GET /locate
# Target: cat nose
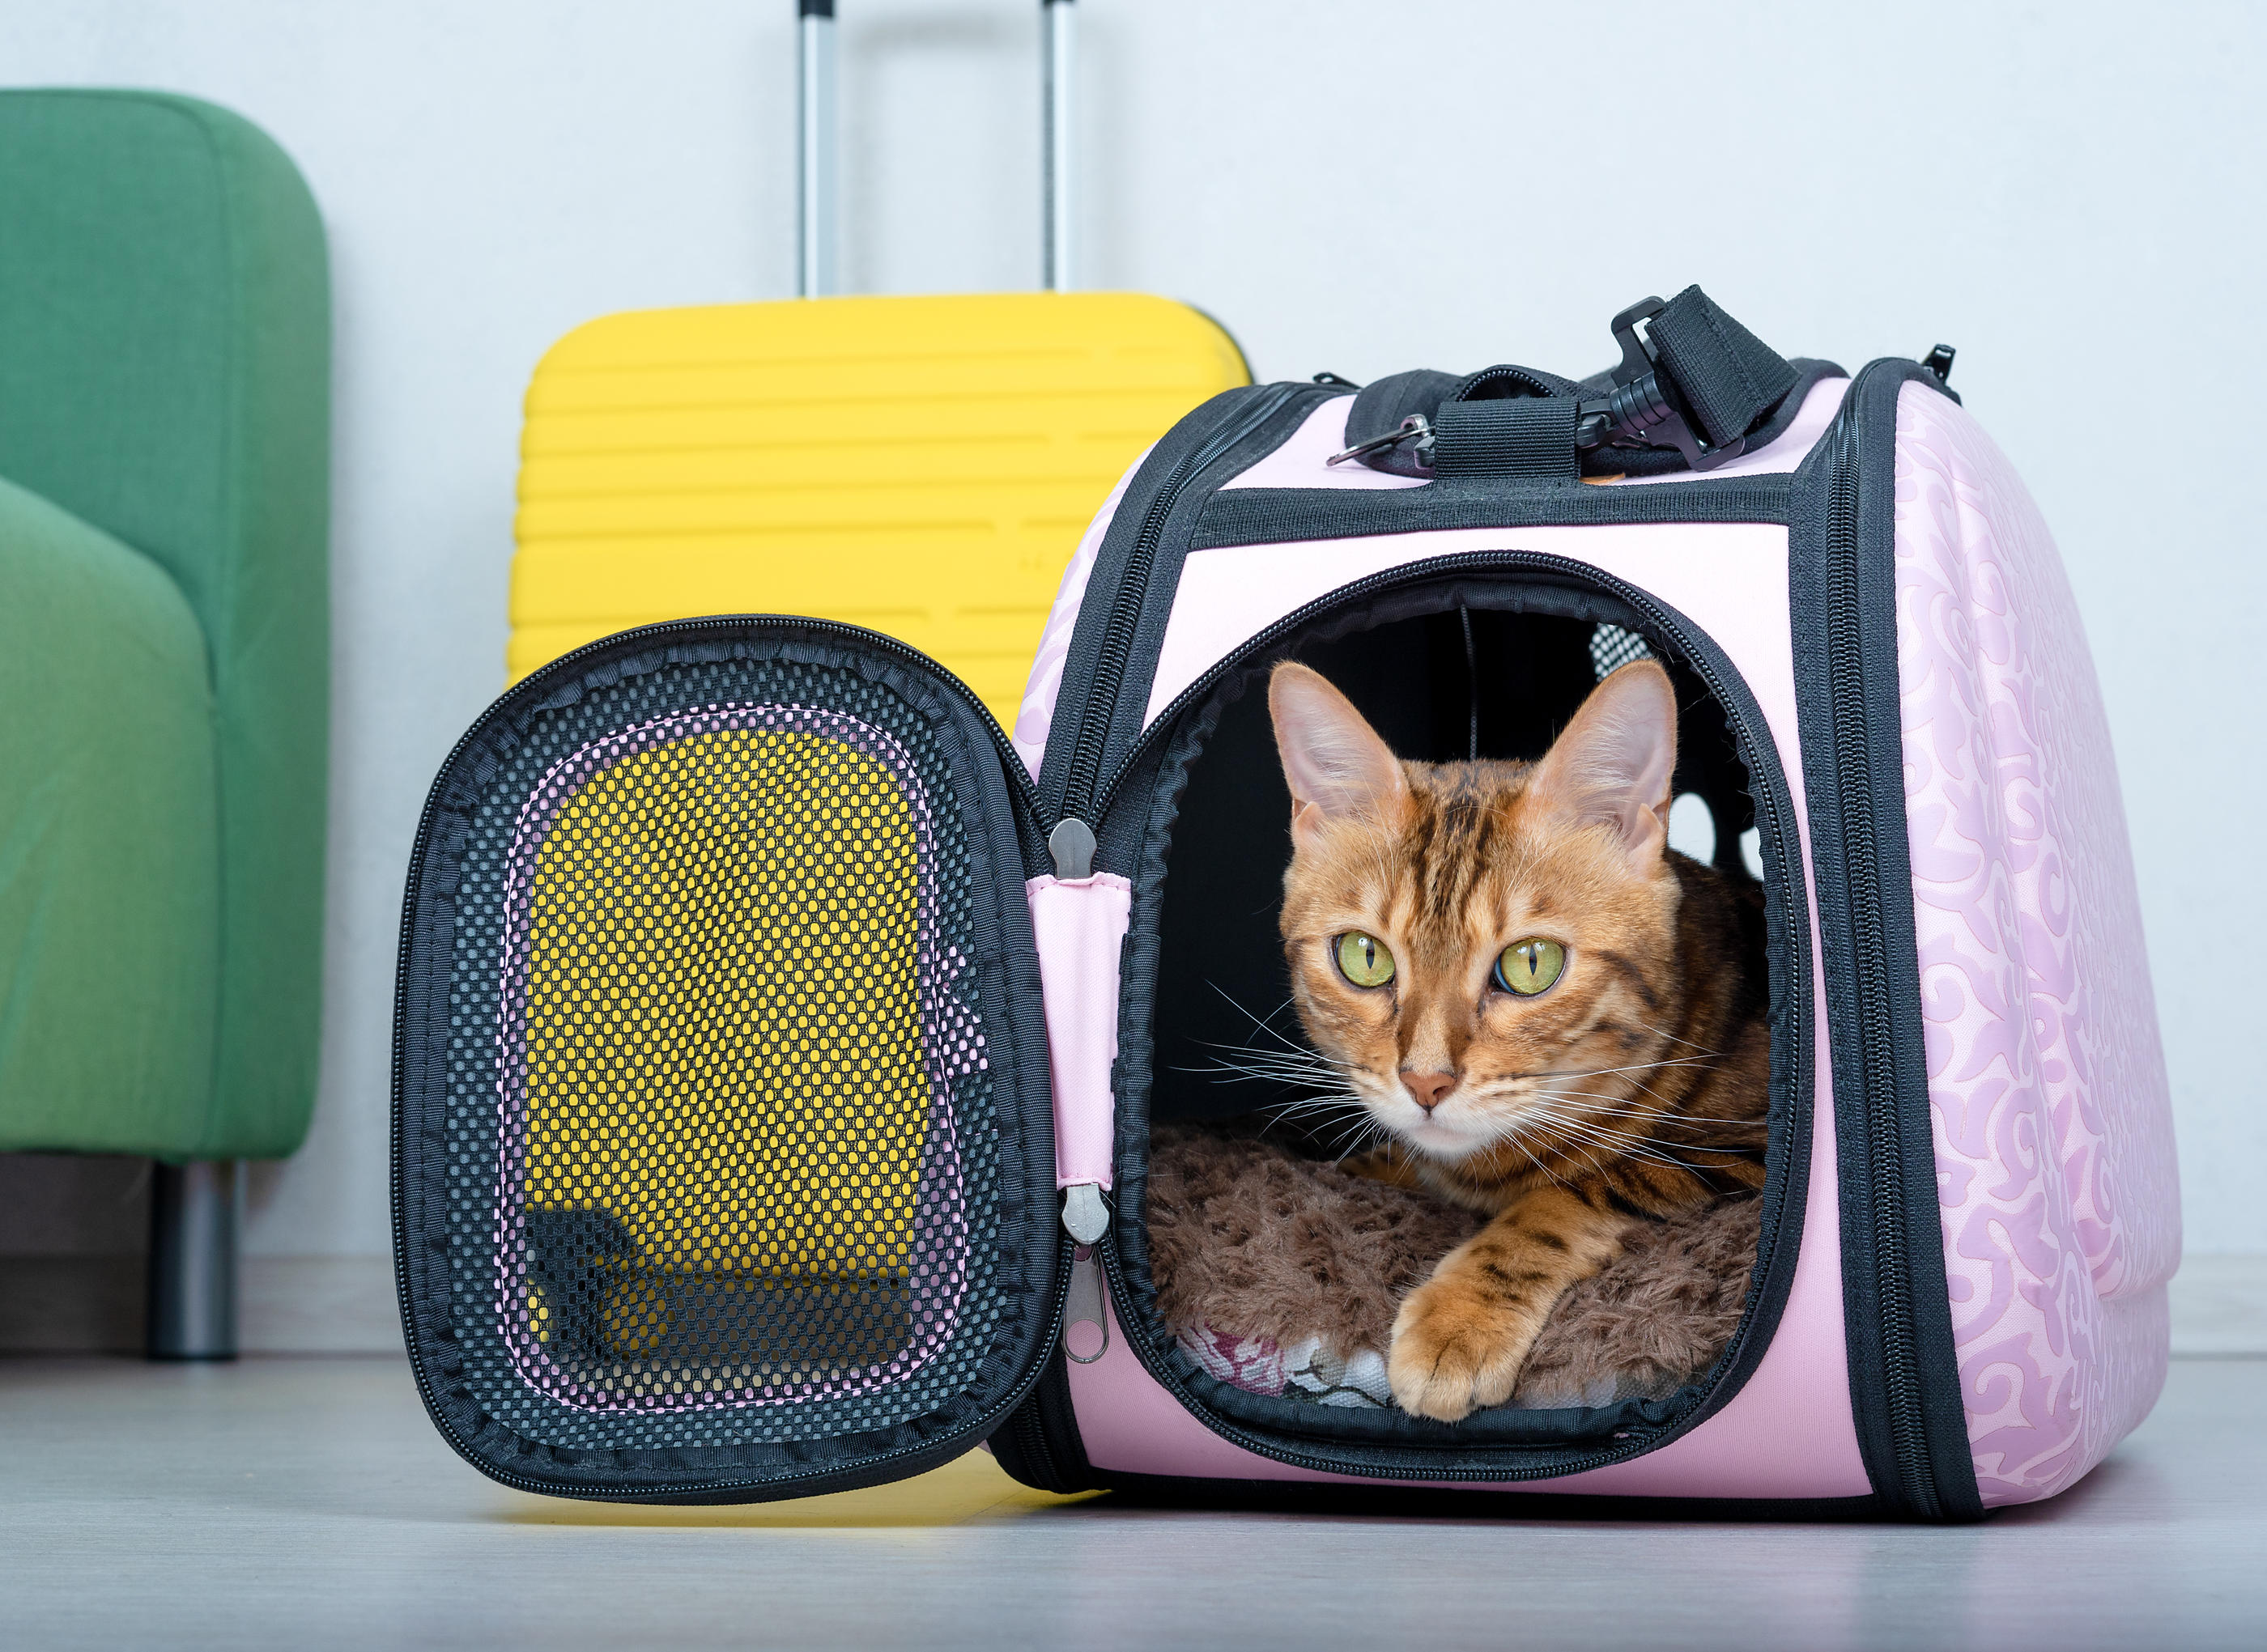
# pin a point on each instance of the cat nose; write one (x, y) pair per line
(1428, 1089)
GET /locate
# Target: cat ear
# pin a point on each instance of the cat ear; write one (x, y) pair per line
(1612, 764)
(1335, 763)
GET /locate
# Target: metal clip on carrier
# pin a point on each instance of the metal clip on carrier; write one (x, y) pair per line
(1416, 427)
(1644, 410)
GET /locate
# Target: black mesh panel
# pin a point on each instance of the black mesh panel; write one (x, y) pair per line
(723, 1157)
(1611, 648)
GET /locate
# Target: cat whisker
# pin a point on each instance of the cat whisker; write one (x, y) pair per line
(1712, 1054)
(1330, 1115)
(1658, 1116)
(1548, 1174)
(1601, 1072)
(1648, 1148)
(1263, 1024)
(1364, 1130)
(1581, 1139)
(1564, 1142)
(1287, 1052)
(1288, 1066)
(1563, 1104)
(1233, 1072)
(1604, 1135)
(1603, 1102)
(1319, 1112)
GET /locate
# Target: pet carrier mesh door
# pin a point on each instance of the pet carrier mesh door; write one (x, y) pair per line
(725, 1167)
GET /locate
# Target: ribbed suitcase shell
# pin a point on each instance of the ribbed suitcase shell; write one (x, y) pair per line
(920, 466)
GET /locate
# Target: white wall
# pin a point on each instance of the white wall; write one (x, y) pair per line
(2068, 194)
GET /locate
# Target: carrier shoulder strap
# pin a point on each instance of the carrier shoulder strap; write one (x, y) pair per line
(1728, 377)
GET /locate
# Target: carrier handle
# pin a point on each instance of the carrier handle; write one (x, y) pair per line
(1695, 380)
(816, 142)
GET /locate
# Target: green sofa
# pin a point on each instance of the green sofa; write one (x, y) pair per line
(164, 452)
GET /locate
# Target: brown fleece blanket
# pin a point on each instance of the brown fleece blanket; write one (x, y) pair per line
(1248, 1240)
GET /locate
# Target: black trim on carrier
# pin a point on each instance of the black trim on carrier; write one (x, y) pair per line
(1097, 701)
(1140, 804)
(1023, 1267)
(1039, 1443)
(1905, 1384)
(1382, 1501)
(1268, 516)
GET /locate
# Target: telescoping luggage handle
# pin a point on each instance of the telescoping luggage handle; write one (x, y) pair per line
(815, 131)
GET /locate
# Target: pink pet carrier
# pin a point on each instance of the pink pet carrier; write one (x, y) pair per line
(779, 1041)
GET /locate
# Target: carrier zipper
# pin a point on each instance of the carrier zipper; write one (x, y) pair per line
(1019, 780)
(1870, 970)
(1086, 1219)
(1031, 1442)
(1030, 1432)
(1770, 802)
(1026, 1422)
(1127, 603)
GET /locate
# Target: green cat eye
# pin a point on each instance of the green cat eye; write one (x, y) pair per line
(1363, 960)
(1527, 967)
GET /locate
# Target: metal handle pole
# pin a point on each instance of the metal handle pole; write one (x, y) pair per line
(815, 149)
(1058, 35)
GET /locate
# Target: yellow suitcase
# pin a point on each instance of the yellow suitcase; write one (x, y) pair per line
(922, 466)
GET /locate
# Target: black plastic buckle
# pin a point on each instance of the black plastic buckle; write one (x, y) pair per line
(1643, 409)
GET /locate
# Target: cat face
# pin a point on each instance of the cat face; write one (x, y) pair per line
(1485, 950)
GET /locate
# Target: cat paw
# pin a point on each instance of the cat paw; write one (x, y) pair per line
(1454, 1351)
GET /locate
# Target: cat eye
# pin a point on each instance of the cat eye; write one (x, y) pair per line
(1529, 967)
(1363, 960)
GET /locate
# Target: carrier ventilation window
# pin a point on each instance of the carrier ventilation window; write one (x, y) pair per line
(729, 1157)
(1611, 648)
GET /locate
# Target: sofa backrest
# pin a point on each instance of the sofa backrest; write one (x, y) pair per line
(165, 375)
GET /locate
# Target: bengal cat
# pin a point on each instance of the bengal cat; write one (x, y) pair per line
(1548, 1015)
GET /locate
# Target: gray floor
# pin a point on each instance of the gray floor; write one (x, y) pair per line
(308, 1504)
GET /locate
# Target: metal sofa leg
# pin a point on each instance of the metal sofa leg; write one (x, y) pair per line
(193, 1221)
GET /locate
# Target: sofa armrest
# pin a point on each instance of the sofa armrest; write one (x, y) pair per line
(109, 862)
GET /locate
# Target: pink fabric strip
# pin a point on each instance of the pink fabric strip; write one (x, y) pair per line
(1232, 594)
(1080, 926)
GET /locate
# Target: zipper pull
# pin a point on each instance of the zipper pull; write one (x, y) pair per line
(1072, 844)
(1086, 1326)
